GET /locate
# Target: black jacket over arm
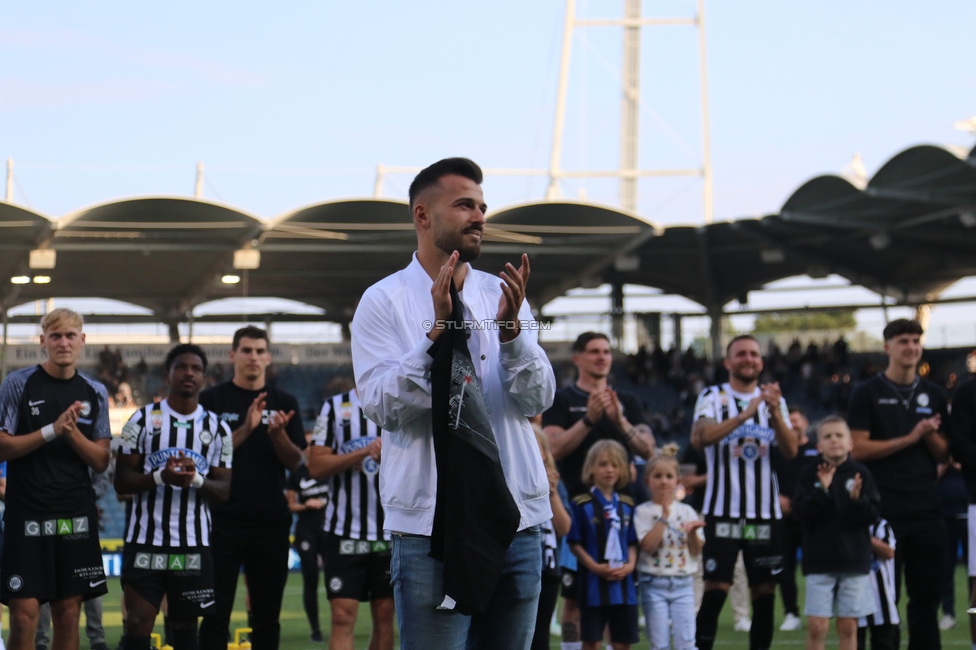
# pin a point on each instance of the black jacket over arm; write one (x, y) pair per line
(475, 516)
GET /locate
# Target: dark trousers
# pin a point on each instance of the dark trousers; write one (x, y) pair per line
(792, 540)
(883, 637)
(920, 555)
(263, 552)
(547, 605)
(957, 532)
(310, 546)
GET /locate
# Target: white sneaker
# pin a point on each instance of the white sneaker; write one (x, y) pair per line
(743, 625)
(791, 623)
(947, 622)
(555, 629)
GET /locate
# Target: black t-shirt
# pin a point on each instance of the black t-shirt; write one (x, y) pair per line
(305, 487)
(568, 407)
(258, 481)
(787, 470)
(906, 478)
(53, 479)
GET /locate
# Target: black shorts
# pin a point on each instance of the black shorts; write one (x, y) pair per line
(183, 574)
(622, 620)
(52, 559)
(357, 570)
(569, 587)
(761, 543)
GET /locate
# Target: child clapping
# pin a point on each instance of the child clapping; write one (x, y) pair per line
(671, 539)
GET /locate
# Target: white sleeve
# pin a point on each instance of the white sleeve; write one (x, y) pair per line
(393, 382)
(525, 370)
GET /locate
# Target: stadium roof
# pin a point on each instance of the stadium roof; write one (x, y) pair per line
(907, 233)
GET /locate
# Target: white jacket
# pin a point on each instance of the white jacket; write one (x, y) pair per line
(392, 368)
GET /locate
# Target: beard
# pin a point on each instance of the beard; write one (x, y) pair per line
(450, 241)
(746, 375)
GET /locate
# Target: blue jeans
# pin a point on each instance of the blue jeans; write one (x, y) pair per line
(669, 605)
(509, 620)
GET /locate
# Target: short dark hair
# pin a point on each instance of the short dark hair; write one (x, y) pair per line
(185, 348)
(796, 408)
(902, 326)
(431, 176)
(740, 337)
(249, 332)
(584, 339)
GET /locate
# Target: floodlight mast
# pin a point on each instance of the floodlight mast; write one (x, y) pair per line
(629, 171)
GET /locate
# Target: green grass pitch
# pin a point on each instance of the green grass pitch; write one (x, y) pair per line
(295, 631)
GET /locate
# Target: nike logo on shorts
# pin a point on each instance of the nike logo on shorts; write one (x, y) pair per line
(40, 401)
(207, 604)
(95, 584)
(776, 571)
(307, 483)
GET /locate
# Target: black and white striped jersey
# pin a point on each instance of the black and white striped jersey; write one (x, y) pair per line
(741, 481)
(354, 510)
(882, 582)
(173, 516)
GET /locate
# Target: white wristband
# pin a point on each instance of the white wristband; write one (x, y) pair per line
(197, 481)
(158, 477)
(47, 432)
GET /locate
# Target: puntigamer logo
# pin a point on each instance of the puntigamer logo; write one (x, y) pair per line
(55, 527)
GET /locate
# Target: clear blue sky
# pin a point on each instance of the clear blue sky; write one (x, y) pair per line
(104, 100)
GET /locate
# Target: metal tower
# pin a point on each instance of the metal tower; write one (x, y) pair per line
(629, 171)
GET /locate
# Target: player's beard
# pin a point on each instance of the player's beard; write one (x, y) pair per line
(450, 241)
(745, 379)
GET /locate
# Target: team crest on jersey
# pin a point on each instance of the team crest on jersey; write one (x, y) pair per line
(922, 399)
(849, 485)
(345, 411)
(206, 437)
(750, 451)
(370, 466)
(156, 422)
(86, 408)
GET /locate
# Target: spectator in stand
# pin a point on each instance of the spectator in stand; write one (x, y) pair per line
(786, 473)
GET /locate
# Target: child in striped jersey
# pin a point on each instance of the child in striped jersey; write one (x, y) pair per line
(671, 539)
(602, 539)
(884, 622)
